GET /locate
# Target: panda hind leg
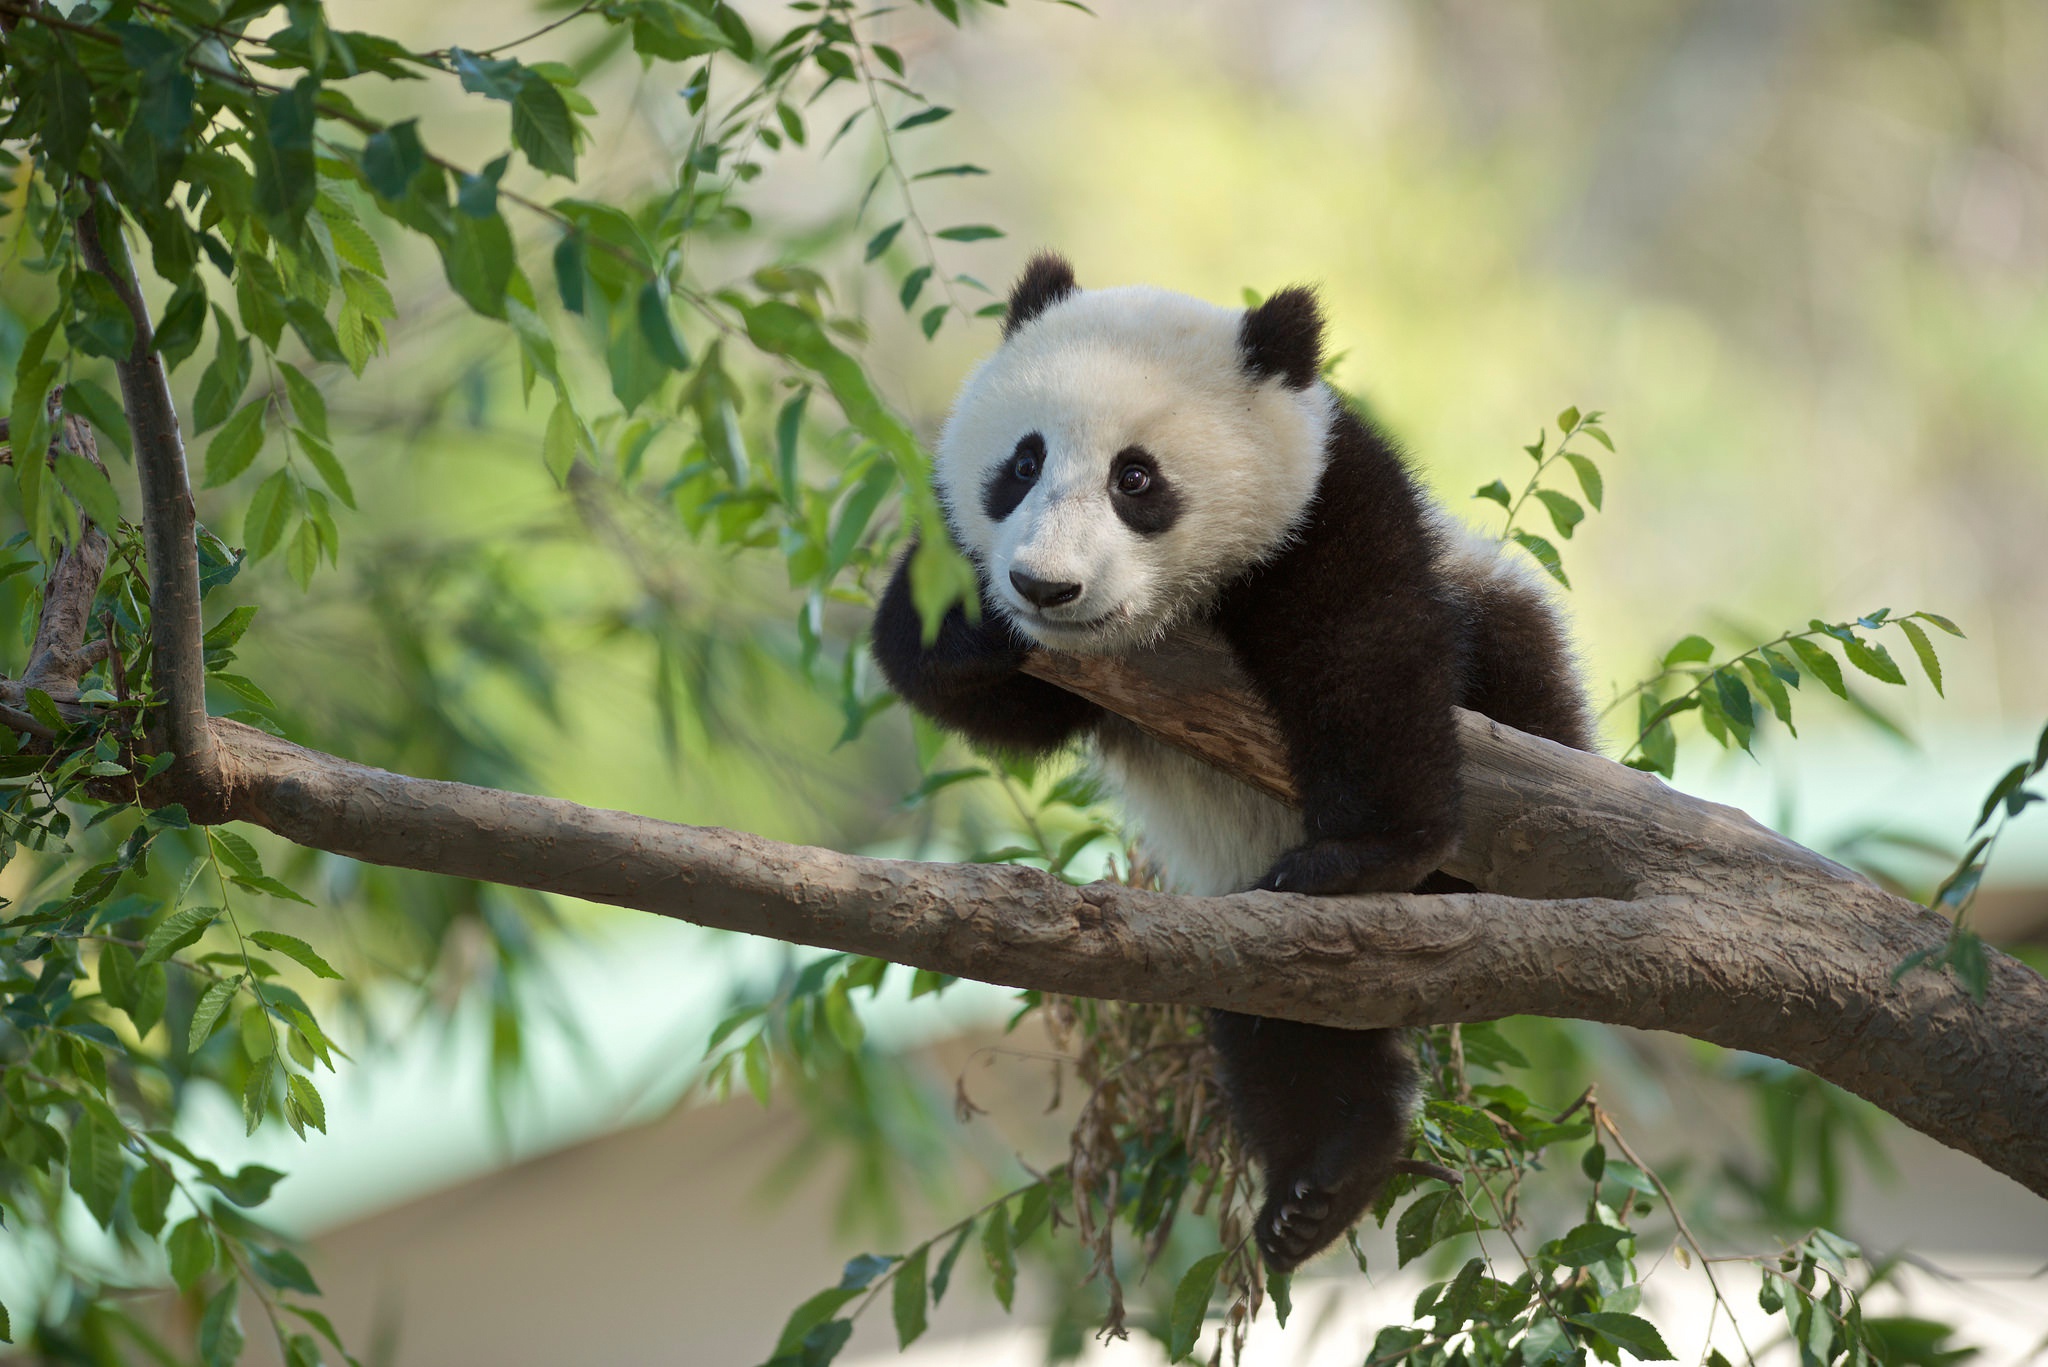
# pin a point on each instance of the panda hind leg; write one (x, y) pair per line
(1325, 1112)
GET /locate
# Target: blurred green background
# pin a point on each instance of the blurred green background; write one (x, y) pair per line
(1797, 253)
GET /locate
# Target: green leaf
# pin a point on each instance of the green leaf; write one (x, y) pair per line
(808, 1316)
(269, 513)
(1820, 665)
(660, 330)
(234, 447)
(932, 114)
(544, 129)
(293, 947)
(570, 271)
(220, 1327)
(250, 1186)
(1734, 698)
(89, 486)
(67, 112)
(563, 441)
(913, 285)
(90, 401)
(1000, 1255)
(879, 243)
(1874, 660)
(1588, 473)
(149, 1198)
(256, 1097)
(933, 318)
(191, 1251)
(1565, 512)
(178, 929)
(1588, 1244)
(322, 458)
(281, 146)
(907, 1297)
(302, 556)
(1545, 553)
(976, 232)
(1923, 648)
(1938, 620)
(1690, 650)
(304, 1098)
(1568, 419)
(963, 169)
(1191, 1305)
(96, 1167)
(101, 324)
(858, 509)
(944, 1275)
(1280, 1291)
(1636, 1336)
(1498, 492)
(1429, 1219)
(207, 1013)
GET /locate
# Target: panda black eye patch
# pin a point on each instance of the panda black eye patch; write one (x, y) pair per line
(1142, 497)
(1009, 482)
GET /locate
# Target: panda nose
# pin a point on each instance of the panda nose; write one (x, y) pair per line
(1044, 593)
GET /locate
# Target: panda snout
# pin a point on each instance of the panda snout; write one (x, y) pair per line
(1043, 593)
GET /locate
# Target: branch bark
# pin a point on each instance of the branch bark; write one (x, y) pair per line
(169, 524)
(1659, 911)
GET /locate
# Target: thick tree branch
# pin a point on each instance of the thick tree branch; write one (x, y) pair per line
(1673, 914)
(169, 524)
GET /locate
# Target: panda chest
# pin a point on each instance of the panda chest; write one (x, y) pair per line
(1208, 833)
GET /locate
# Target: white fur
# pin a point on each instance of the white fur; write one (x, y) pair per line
(1100, 371)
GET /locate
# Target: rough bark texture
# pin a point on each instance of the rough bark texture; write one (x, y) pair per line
(1670, 914)
(169, 523)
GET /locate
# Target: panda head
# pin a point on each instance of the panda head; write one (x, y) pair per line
(1127, 452)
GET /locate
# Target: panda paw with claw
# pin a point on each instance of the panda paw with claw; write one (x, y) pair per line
(1325, 868)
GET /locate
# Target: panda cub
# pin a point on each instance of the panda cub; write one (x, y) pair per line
(1130, 460)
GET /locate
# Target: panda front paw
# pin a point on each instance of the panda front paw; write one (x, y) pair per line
(1328, 868)
(975, 654)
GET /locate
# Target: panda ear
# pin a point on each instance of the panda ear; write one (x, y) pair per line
(1284, 337)
(1047, 279)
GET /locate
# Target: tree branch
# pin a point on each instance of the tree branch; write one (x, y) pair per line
(169, 524)
(1641, 906)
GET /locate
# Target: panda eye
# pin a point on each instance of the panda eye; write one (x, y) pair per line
(1024, 466)
(1133, 479)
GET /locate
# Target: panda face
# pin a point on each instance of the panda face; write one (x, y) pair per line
(1116, 462)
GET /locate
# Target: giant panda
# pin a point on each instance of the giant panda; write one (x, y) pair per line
(1131, 459)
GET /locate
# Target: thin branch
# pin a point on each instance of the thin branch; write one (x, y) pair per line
(169, 524)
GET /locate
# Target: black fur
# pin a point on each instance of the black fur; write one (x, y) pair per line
(1284, 337)
(1361, 645)
(967, 680)
(1153, 512)
(1047, 279)
(1007, 485)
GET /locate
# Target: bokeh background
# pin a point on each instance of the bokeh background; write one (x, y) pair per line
(1797, 254)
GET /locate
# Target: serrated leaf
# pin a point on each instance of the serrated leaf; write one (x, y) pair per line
(235, 445)
(90, 488)
(207, 1013)
(1631, 1333)
(1874, 660)
(304, 1097)
(220, 1327)
(1545, 553)
(1588, 1244)
(1588, 473)
(178, 929)
(563, 442)
(293, 947)
(269, 513)
(96, 1167)
(1820, 665)
(1565, 511)
(256, 1097)
(1923, 648)
(1938, 620)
